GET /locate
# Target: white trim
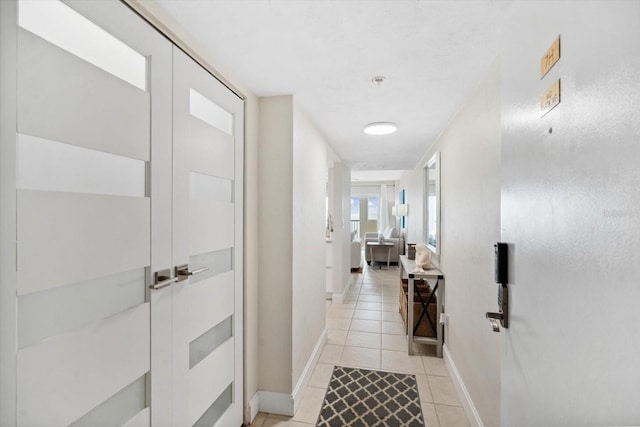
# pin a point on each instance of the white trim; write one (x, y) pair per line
(338, 298)
(308, 370)
(254, 407)
(467, 404)
(348, 285)
(8, 243)
(285, 404)
(276, 403)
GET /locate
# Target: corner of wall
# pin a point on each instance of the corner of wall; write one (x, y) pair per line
(275, 222)
(287, 403)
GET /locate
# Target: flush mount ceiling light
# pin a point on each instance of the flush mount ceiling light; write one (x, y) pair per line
(380, 128)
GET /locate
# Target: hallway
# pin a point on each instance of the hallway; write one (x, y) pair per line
(367, 332)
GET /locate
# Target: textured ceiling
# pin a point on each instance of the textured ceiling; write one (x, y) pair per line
(325, 52)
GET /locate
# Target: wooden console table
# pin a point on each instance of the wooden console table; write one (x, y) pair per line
(436, 279)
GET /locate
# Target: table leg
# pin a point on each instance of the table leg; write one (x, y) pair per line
(371, 256)
(410, 284)
(439, 307)
(388, 256)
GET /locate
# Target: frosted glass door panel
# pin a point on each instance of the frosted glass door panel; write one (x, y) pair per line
(217, 409)
(210, 301)
(53, 166)
(65, 99)
(207, 187)
(90, 235)
(67, 308)
(121, 408)
(211, 226)
(59, 24)
(208, 111)
(211, 151)
(60, 378)
(142, 419)
(208, 379)
(208, 342)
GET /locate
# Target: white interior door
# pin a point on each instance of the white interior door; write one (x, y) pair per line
(93, 215)
(208, 194)
(106, 180)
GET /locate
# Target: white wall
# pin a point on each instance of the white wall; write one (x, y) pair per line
(571, 214)
(341, 208)
(470, 214)
(275, 227)
(470, 225)
(292, 191)
(309, 224)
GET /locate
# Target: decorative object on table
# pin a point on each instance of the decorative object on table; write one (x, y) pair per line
(411, 251)
(381, 238)
(361, 397)
(423, 258)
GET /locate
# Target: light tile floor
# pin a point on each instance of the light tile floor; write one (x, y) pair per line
(367, 332)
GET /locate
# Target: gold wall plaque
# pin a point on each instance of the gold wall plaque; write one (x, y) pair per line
(549, 59)
(551, 98)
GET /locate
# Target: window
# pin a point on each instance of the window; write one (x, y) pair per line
(355, 209)
(372, 208)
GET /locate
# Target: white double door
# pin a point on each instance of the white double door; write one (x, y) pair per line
(125, 305)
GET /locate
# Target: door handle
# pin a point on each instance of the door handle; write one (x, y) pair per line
(163, 279)
(501, 318)
(493, 319)
(183, 272)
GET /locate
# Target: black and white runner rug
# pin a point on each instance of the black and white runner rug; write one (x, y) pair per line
(360, 397)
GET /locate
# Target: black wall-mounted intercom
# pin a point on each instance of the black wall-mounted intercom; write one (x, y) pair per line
(502, 271)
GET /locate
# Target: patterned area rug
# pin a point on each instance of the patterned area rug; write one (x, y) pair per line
(360, 397)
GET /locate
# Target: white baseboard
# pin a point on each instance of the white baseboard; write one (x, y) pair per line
(254, 407)
(467, 404)
(308, 370)
(276, 403)
(347, 286)
(338, 298)
(287, 404)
